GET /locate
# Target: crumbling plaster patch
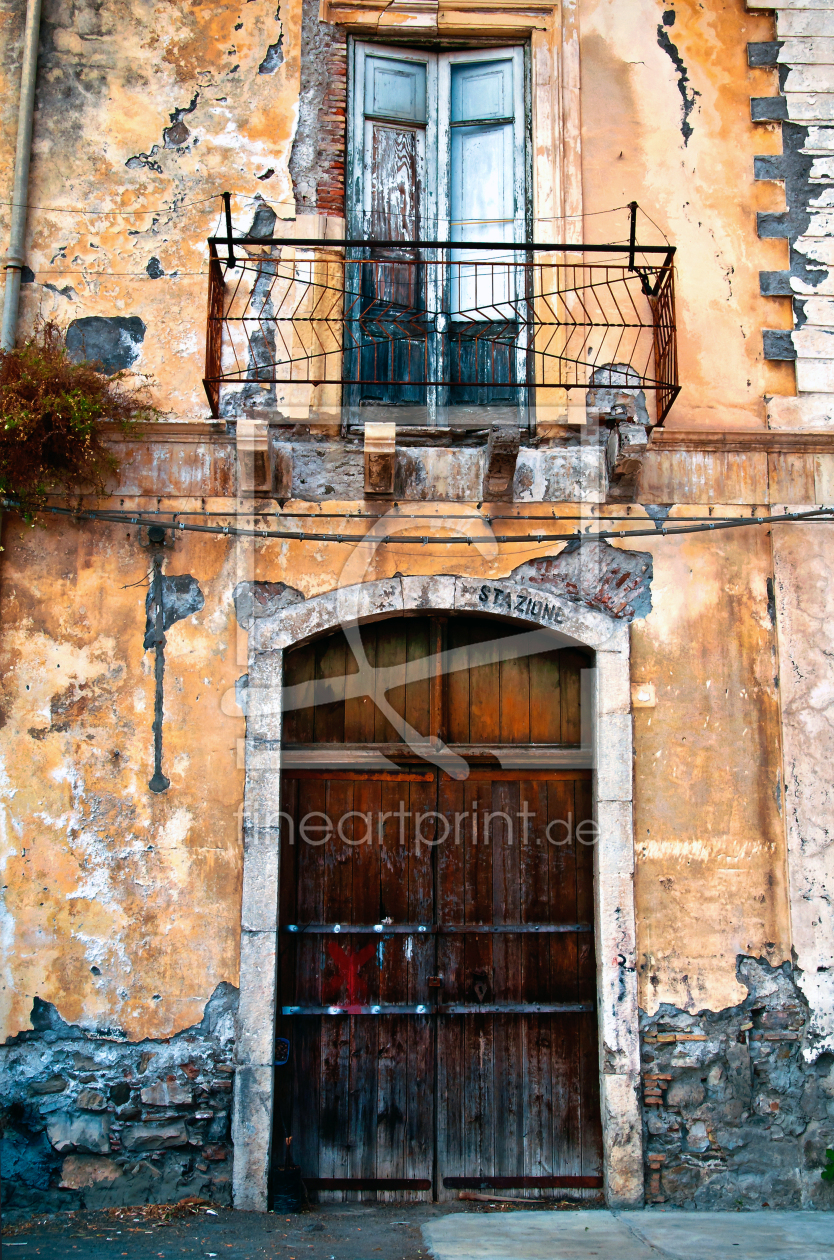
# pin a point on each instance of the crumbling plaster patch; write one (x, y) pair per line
(90, 1120)
(324, 470)
(181, 597)
(113, 342)
(733, 1111)
(804, 601)
(107, 886)
(320, 131)
(688, 93)
(117, 81)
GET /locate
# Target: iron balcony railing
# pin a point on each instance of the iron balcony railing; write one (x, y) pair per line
(432, 326)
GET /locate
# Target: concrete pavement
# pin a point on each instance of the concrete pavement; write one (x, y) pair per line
(648, 1235)
(447, 1231)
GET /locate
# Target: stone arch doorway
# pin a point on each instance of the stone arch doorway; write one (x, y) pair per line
(436, 978)
(609, 746)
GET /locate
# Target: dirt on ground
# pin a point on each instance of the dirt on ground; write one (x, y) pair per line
(193, 1228)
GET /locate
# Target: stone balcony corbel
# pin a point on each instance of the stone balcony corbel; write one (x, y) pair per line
(264, 463)
(501, 459)
(380, 458)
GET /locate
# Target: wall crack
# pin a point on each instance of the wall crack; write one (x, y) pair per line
(687, 91)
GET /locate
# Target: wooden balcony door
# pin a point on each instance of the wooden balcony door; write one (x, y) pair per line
(437, 153)
(436, 975)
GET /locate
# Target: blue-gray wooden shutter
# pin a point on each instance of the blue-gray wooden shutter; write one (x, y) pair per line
(482, 97)
(390, 123)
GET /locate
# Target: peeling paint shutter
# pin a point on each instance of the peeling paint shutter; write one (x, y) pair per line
(391, 95)
(395, 121)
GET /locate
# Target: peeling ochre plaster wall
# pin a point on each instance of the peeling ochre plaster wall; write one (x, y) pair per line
(710, 863)
(804, 598)
(113, 78)
(100, 872)
(697, 187)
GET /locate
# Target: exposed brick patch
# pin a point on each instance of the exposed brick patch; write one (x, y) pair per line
(317, 162)
(617, 582)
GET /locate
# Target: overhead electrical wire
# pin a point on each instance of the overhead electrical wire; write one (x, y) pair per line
(176, 526)
(175, 209)
(393, 513)
(88, 213)
(290, 205)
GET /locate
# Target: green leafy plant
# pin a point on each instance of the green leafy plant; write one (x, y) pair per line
(827, 1173)
(53, 413)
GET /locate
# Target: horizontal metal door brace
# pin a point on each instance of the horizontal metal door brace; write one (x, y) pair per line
(448, 1008)
(434, 929)
(367, 1183)
(523, 1183)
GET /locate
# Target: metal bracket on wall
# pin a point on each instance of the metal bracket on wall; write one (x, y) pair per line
(158, 782)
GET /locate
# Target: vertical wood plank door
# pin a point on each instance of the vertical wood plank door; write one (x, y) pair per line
(436, 969)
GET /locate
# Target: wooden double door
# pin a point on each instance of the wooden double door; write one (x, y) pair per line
(436, 974)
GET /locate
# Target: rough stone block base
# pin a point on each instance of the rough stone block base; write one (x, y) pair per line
(735, 1115)
(92, 1121)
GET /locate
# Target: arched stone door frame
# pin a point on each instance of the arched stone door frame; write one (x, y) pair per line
(619, 1056)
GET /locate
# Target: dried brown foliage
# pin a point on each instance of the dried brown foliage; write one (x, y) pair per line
(158, 1214)
(52, 417)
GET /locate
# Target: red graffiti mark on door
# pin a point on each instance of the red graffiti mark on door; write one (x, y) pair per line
(347, 970)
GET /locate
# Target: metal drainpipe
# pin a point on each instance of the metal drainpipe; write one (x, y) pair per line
(14, 260)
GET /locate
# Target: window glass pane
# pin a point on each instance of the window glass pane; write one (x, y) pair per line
(395, 89)
(482, 210)
(482, 90)
(482, 183)
(482, 199)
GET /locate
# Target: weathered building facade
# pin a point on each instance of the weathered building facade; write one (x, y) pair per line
(476, 520)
